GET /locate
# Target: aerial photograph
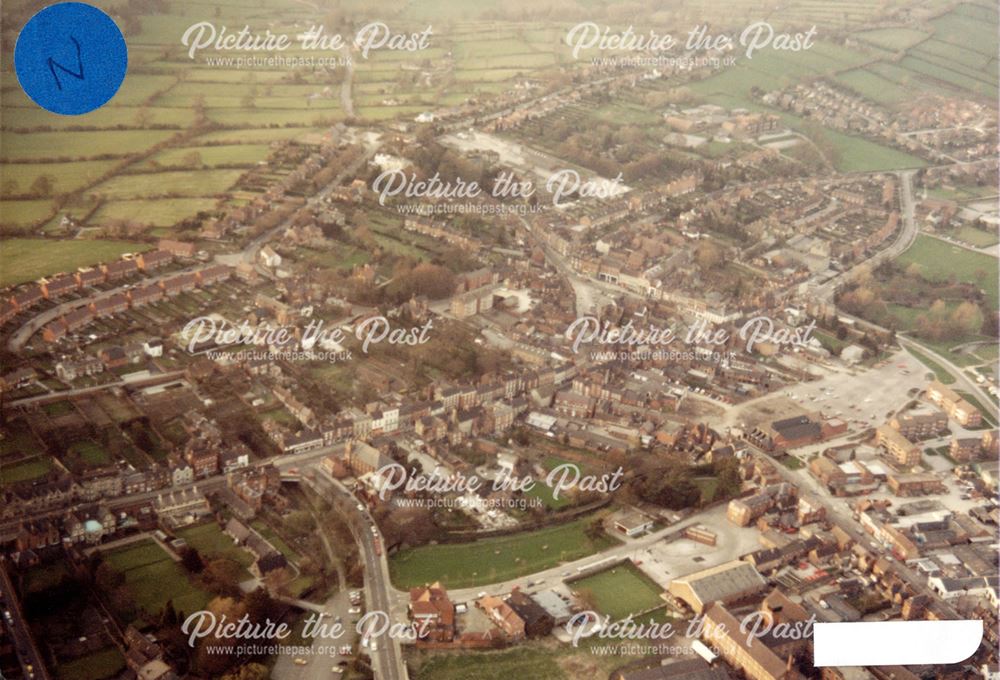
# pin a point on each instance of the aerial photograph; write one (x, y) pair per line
(530, 340)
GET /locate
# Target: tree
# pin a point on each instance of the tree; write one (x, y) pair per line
(595, 529)
(42, 186)
(191, 560)
(708, 255)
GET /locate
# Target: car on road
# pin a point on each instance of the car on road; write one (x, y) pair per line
(354, 610)
(299, 661)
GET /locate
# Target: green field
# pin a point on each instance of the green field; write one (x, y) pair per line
(25, 259)
(169, 184)
(209, 540)
(107, 663)
(532, 663)
(25, 470)
(619, 591)
(74, 144)
(989, 414)
(90, 453)
(976, 237)
(940, 372)
(154, 578)
(20, 178)
(162, 212)
(461, 565)
(892, 38)
(938, 260)
(211, 156)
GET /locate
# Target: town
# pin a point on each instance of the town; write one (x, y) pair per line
(461, 359)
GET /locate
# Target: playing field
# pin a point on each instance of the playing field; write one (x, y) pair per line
(26, 259)
(461, 565)
(617, 592)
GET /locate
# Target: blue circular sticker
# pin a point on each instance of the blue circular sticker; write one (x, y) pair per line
(70, 58)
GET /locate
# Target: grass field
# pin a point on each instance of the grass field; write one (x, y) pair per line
(938, 260)
(461, 565)
(25, 259)
(976, 237)
(32, 468)
(209, 540)
(163, 212)
(619, 591)
(107, 663)
(154, 578)
(19, 178)
(516, 663)
(90, 453)
(940, 372)
(989, 413)
(170, 184)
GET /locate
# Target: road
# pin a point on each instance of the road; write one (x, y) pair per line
(387, 659)
(904, 239)
(840, 517)
(19, 338)
(13, 618)
(963, 380)
(152, 379)
(9, 528)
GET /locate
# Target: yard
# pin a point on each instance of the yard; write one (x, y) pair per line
(460, 565)
(617, 592)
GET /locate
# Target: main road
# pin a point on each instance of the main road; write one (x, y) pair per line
(385, 651)
(13, 618)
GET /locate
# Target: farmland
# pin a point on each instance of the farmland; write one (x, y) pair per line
(29, 259)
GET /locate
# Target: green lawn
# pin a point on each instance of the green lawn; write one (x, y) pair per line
(90, 453)
(976, 237)
(32, 468)
(461, 565)
(543, 491)
(707, 486)
(940, 372)
(107, 663)
(27, 259)
(154, 578)
(989, 414)
(939, 260)
(534, 663)
(209, 540)
(619, 591)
